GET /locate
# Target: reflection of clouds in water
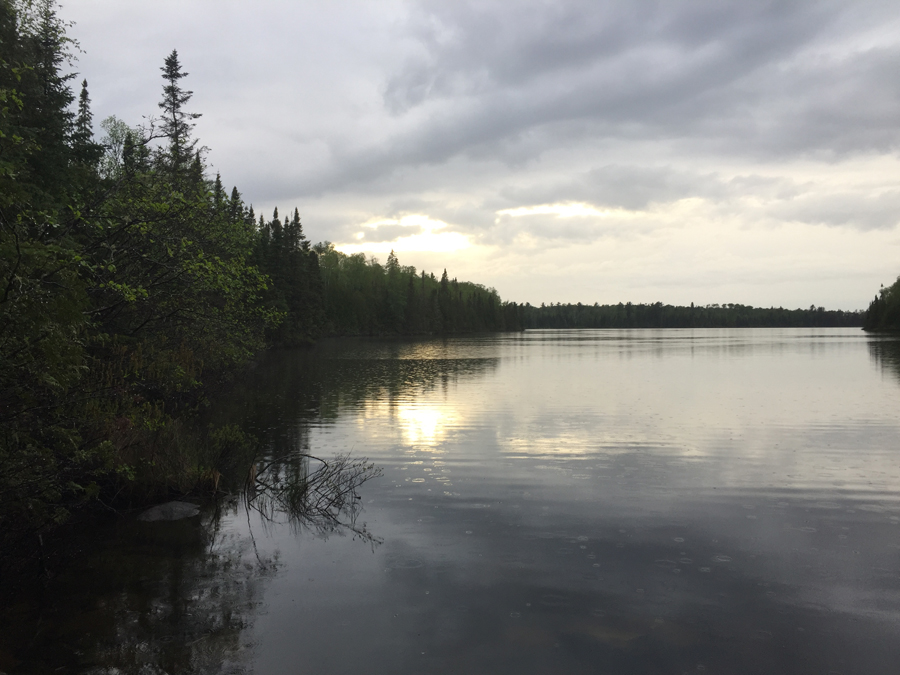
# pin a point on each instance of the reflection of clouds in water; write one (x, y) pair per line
(748, 407)
(818, 458)
(464, 354)
(561, 443)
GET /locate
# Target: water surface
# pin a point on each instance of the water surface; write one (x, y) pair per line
(629, 501)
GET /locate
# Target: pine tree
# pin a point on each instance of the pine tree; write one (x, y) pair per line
(86, 151)
(195, 179)
(276, 251)
(294, 233)
(177, 123)
(444, 303)
(45, 120)
(218, 195)
(235, 206)
(392, 264)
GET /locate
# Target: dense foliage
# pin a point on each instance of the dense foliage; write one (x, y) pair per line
(131, 282)
(321, 291)
(363, 297)
(884, 311)
(122, 281)
(658, 315)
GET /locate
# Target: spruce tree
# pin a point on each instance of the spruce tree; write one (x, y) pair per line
(177, 123)
(86, 151)
(45, 121)
(218, 195)
(235, 206)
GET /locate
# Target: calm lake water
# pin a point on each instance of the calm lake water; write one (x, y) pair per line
(629, 501)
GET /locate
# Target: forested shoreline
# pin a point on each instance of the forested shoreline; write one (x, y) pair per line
(884, 311)
(132, 284)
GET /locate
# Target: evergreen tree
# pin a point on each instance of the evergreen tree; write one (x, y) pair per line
(177, 123)
(218, 196)
(36, 104)
(235, 206)
(884, 311)
(86, 151)
(43, 305)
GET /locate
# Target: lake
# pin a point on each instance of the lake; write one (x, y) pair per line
(592, 501)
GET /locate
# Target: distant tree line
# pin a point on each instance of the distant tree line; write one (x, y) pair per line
(658, 315)
(883, 313)
(364, 297)
(319, 291)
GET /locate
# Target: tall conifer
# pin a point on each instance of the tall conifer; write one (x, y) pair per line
(177, 123)
(86, 151)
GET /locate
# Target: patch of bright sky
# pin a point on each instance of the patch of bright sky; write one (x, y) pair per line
(428, 238)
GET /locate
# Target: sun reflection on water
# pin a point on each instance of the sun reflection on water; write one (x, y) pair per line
(423, 425)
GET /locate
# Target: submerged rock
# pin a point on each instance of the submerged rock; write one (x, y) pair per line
(170, 511)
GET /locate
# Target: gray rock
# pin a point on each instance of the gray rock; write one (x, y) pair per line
(170, 511)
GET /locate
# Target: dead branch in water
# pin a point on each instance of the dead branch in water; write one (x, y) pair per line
(312, 492)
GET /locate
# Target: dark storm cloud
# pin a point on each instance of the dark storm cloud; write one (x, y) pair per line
(508, 83)
(501, 83)
(477, 48)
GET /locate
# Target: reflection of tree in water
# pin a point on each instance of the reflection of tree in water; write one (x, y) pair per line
(188, 617)
(162, 597)
(178, 597)
(289, 387)
(198, 584)
(885, 352)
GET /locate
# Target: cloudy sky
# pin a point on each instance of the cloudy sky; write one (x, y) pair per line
(567, 150)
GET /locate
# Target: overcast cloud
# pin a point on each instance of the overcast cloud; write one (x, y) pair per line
(559, 151)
